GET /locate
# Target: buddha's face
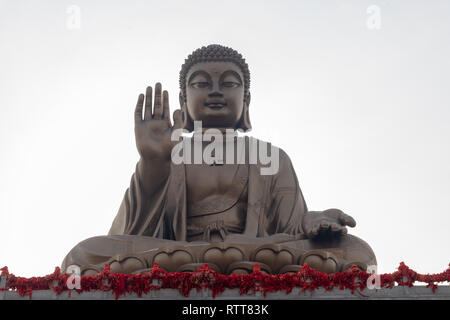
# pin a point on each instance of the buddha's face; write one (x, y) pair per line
(215, 94)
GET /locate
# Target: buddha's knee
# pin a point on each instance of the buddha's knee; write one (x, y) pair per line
(333, 254)
(339, 254)
(93, 253)
(85, 253)
(357, 252)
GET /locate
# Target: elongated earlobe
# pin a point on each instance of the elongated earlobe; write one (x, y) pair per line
(244, 123)
(188, 124)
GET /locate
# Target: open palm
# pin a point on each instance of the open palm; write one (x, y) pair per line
(153, 128)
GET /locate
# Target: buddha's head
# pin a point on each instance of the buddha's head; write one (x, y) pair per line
(214, 89)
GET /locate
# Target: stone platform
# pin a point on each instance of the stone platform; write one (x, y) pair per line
(396, 293)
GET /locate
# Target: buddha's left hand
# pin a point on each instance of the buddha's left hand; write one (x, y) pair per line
(331, 222)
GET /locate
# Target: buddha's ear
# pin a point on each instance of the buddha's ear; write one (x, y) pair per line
(188, 124)
(244, 123)
(181, 98)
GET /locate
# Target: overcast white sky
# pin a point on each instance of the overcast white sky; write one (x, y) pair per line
(362, 112)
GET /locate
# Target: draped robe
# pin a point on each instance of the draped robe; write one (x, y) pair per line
(274, 213)
(275, 204)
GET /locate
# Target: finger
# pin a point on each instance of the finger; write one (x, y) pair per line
(177, 121)
(324, 225)
(148, 103)
(346, 220)
(338, 230)
(315, 230)
(157, 112)
(222, 233)
(335, 227)
(207, 234)
(166, 108)
(138, 111)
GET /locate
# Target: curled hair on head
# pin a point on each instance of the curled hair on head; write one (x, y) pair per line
(214, 53)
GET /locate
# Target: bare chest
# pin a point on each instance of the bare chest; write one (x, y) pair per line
(204, 181)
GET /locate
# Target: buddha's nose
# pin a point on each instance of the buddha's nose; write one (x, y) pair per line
(215, 94)
(215, 90)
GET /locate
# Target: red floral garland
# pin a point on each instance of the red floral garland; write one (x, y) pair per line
(306, 279)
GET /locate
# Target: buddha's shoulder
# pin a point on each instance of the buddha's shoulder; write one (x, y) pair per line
(274, 155)
(268, 145)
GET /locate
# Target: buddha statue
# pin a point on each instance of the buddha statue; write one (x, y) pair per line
(229, 214)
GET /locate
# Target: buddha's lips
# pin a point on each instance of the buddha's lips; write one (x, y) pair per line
(215, 105)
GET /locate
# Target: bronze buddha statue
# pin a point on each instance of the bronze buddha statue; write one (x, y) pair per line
(228, 214)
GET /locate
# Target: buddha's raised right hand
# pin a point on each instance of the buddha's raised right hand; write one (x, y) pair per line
(153, 131)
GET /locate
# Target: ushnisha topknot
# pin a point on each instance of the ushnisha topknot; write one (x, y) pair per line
(215, 52)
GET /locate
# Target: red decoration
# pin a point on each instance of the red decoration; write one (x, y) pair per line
(306, 279)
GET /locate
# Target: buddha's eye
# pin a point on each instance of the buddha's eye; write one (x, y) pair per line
(230, 84)
(200, 85)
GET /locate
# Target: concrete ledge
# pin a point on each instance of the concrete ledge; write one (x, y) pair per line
(396, 293)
